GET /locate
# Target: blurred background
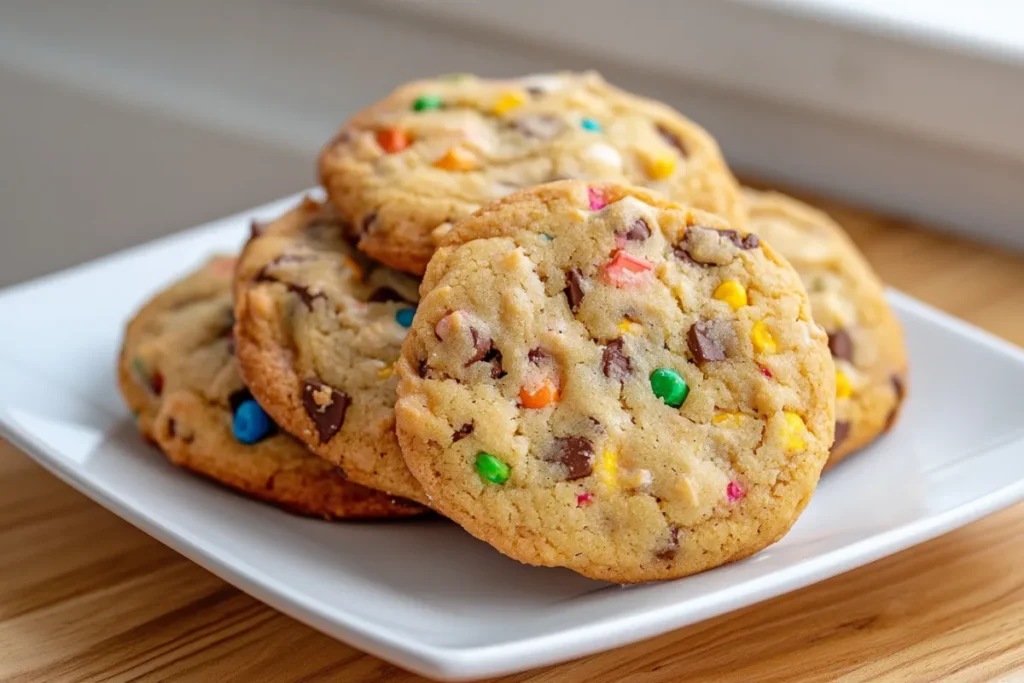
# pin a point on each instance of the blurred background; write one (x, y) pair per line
(123, 120)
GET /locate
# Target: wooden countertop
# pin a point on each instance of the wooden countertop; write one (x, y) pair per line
(85, 596)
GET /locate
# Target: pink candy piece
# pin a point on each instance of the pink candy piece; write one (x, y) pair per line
(734, 492)
(584, 499)
(625, 269)
(597, 199)
(620, 240)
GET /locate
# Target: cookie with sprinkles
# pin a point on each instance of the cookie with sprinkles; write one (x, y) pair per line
(848, 300)
(319, 327)
(600, 379)
(178, 373)
(434, 151)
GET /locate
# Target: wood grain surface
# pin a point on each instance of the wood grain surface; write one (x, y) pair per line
(85, 596)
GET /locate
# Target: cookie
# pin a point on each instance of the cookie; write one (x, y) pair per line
(848, 300)
(177, 372)
(435, 151)
(318, 330)
(603, 380)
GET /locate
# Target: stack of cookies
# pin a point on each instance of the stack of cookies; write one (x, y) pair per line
(543, 308)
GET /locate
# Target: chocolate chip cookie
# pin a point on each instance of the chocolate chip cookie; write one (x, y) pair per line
(177, 372)
(435, 151)
(318, 330)
(603, 380)
(848, 300)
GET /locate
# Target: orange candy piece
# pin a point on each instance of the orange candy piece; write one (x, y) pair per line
(539, 397)
(393, 140)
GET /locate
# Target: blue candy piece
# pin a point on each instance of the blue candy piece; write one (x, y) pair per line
(403, 316)
(251, 422)
(591, 125)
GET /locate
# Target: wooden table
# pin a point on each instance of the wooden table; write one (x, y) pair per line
(85, 596)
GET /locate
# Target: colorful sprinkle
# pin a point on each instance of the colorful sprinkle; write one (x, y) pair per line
(604, 154)
(386, 372)
(427, 102)
(508, 101)
(404, 316)
(456, 159)
(590, 124)
(762, 338)
(597, 199)
(392, 140)
(729, 419)
(251, 423)
(546, 237)
(540, 396)
(584, 499)
(765, 371)
(661, 167)
(843, 387)
(608, 468)
(491, 468)
(732, 293)
(794, 432)
(627, 326)
(624, 269)
(734, 492)
(669, 386)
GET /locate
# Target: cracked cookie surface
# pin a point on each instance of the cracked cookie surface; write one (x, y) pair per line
(178, 372)
(319, 327)
(435, 151)
(848, 301)
(599, 379)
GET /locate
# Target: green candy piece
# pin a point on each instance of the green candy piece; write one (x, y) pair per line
(669, 386)
(139, 368)
(425, 102)
(491, 468)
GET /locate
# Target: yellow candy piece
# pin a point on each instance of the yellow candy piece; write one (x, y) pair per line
(456, 159)
(627, 326)
(728, 419)
(661, 167)
(732, 293)
(354, 266)
(762, 338)
(386, 371)
(608, 468)
(794, 432)
(843, 387)
(507, 102)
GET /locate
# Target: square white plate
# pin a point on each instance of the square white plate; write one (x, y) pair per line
(427, 596)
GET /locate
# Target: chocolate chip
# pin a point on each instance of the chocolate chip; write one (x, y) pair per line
(673, 139)
(574, 288)
(541, 126)
(462, 432)
(494, 358)
(668, 552)
(840, 343)
(172, 427)
(683, 255)
(238, 398)
(748, 241)
(698, 239)
(304, 294)
(706, 340)
(368, 221)
(384, 295)
(482, 345)
(899, 386)
(614, 363)
(256, 229)
(842, 433)
(421, 368)
(328, 417)
(576, 454)
(538, 355)
(638, 231)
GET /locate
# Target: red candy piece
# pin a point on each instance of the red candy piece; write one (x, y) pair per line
(734, 492)
(584, 499)
(597, 199)
(624, 269)
(765, 371)
(157, 384)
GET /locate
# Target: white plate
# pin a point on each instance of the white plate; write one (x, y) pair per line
(427, 596)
